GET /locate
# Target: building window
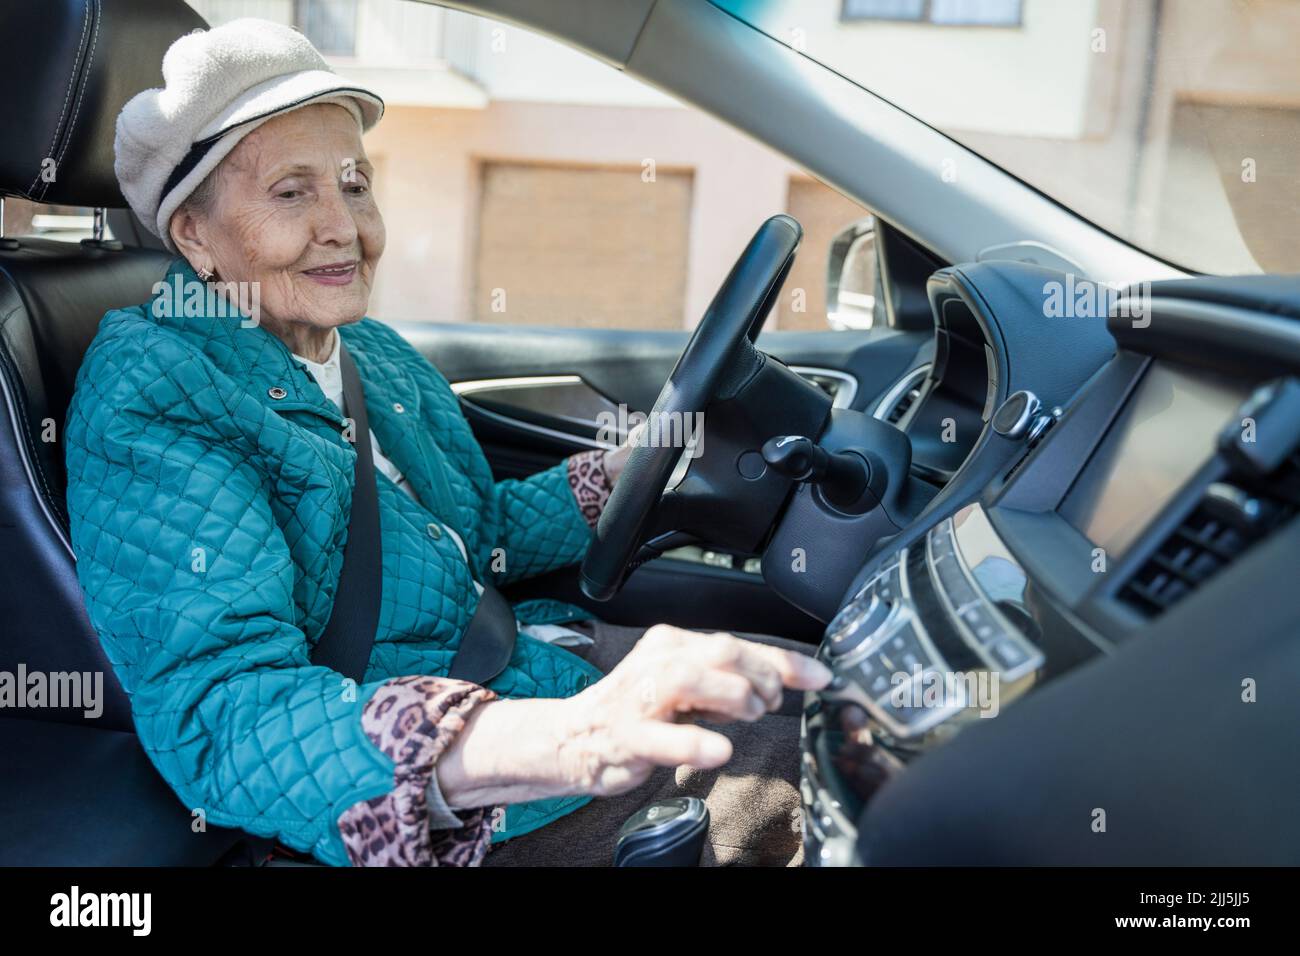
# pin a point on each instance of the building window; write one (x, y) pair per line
(331, 25)
(965, 13)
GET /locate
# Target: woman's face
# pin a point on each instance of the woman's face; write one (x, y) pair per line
(293, 211)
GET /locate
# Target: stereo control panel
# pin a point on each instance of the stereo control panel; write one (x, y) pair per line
(923, 637)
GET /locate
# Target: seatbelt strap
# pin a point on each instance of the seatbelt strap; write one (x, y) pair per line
(349, 635)
(488, 642)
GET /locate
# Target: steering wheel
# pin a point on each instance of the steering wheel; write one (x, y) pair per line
(717, 363)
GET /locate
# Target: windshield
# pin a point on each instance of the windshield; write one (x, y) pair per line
(1174, 124)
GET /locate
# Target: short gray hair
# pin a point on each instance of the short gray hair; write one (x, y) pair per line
(204, 195)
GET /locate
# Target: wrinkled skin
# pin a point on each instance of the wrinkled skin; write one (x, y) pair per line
(609, 738)
(295, 194)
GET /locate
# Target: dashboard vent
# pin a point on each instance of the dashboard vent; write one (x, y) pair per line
(903, 405)
(1230, 518)
(840, 386)
(904, 394)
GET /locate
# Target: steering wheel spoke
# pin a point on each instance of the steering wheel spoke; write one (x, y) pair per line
(728, 398)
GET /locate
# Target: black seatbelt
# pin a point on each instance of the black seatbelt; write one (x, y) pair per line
(346, 643)
(488, 642)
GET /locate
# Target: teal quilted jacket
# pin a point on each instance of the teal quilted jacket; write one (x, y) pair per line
(209, 487)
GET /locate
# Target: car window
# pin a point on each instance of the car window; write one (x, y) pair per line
(64, 223)
(524, 182)
(1170, 123)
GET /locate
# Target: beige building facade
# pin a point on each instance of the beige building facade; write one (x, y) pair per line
(524, 182)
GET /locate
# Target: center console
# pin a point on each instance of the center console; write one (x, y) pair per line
(941, 634)
(1149, 487)
(930, 613)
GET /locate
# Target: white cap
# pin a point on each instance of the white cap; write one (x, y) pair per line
(219, 85)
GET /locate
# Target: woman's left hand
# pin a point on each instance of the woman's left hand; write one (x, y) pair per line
(616, 458)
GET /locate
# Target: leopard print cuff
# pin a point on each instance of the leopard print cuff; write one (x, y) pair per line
(590, 484)
(413, 720)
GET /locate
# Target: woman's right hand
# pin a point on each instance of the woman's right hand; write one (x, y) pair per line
(609, 738)
(639, 716)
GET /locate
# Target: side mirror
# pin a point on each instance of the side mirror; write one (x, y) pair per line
(851, 277)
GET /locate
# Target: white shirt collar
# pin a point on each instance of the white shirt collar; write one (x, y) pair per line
(328, 375)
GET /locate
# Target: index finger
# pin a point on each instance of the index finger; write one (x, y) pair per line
(798, 671)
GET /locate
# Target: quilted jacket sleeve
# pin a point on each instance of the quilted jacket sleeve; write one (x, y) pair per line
(539, 525)
(544, 521)
(527, 526)
(590, 484)
(189, 583)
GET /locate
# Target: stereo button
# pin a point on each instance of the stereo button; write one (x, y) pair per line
(888, 586)
(941, 543)
(1009, 654)
(954, 583)
(904, 652)
(985, 628)
(875, 675)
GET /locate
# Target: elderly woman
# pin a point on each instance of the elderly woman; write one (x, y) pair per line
(211, 480)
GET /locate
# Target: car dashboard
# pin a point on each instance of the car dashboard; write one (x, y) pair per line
(1147, 496)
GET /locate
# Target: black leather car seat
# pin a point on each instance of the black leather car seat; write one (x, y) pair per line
(72, 790)
(72, 65)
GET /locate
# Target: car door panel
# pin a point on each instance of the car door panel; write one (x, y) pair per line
(534, 395)
(549, 384)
